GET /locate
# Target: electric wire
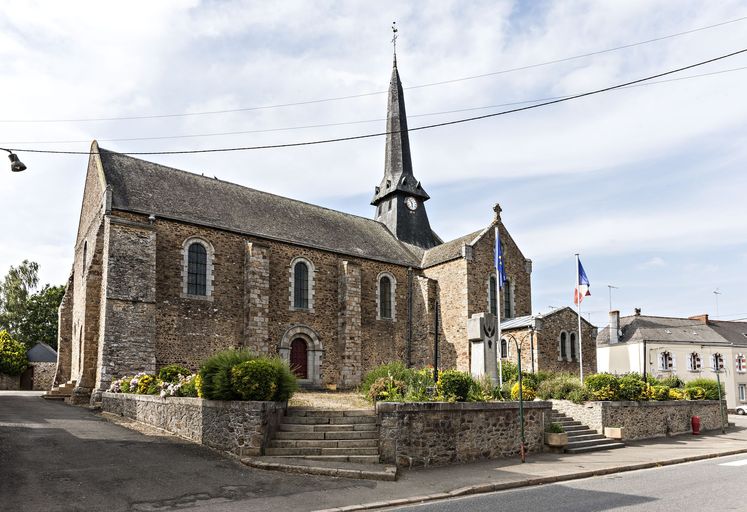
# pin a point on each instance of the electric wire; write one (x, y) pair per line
(374, 93)
(418, 128)
(364, 121)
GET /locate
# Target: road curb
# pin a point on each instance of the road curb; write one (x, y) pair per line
(530, 482)
(386, 473)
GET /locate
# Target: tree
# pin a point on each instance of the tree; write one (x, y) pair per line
(13, 360)
(29, 316)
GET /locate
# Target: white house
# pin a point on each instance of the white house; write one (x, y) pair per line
(687, 347)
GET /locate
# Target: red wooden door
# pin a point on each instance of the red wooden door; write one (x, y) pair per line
(298, 358)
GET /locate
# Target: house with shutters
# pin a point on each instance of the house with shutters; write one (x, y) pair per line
(689, 348)
(171, 266)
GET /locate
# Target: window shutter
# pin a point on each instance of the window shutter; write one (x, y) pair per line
(673, 362)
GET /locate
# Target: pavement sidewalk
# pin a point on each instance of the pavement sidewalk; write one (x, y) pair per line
(418, 485)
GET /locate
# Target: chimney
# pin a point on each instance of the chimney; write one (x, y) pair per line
(637, 311)
(614, 326)
(700, 318)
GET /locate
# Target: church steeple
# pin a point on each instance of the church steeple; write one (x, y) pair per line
(399, 199)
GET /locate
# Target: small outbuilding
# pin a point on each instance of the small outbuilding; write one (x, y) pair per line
(42, 364)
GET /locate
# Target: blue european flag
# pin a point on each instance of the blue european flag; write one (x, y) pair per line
(500, 271)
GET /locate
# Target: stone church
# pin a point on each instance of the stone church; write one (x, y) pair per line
(170, 267)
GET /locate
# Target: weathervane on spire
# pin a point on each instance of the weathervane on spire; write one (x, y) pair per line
(394, 40)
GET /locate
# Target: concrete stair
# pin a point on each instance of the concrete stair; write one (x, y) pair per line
(60, 392)
(582, 439)
(323, 435)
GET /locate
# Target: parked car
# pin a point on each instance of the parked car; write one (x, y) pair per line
(742, 409)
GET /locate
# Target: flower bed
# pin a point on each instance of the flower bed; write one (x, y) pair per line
(239, 427)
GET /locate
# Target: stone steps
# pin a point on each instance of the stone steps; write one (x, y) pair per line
(60, 392)
(582, 439)
(350, 436)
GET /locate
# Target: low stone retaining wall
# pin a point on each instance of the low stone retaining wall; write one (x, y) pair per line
(10, 382)
(241, 428)
(439, 433)
(644, 420)
(43, 375)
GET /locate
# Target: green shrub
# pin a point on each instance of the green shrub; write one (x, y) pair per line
(554, 428)
(454, 385)
(215, 374)
(170, 373)
(709, 386)
(631, 387)
(421, 386)
(579, 396)
(287, 382)
(13, 360)
(602, 386)
(527, 393)
(510, 371)
(659, 393)
(255, 379)
(483, 389)
(695, 393)
(188, 387)
(146, 385)
(397, 370)
(671, 381)
(558, 386)
(676, 394)
(124, 385)
(386, 389)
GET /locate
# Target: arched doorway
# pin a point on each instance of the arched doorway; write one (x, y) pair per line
(299, 362)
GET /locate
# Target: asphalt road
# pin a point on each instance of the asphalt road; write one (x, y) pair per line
(714, 485)
(54, 457)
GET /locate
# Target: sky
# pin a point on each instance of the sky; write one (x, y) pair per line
(647, 183)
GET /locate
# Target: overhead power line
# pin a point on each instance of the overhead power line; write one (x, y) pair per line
(418, 128)
(363, 121)
(374, 93)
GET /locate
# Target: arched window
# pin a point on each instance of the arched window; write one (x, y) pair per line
(572, 338)
(386, 304)
(717, 362)
(562, 349)
(741, 363)
(666, 361)
(504, 348)
(492, 306)
(301, 285)
(197, 269)
(693, 362)
(507, 300)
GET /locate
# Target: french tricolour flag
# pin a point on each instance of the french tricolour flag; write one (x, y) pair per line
(582, 285)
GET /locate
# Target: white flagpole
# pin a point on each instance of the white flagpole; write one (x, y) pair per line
(578, 312)
(498, 315)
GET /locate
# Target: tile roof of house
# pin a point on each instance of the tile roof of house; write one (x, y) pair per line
(526, 321)
(735, 332)
(638, 328)
(149, 188)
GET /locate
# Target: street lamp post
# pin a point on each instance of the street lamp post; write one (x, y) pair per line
(15, 163)
(522, 445)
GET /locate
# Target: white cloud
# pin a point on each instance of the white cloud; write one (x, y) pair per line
(655, 262)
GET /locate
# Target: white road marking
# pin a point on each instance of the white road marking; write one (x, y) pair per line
(742, 462)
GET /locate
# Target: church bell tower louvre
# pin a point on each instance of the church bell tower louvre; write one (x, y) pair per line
(400, 198)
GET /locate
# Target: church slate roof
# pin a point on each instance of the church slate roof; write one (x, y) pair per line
(149, 188)
(447, 251)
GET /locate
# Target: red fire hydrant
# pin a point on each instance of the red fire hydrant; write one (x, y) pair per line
(695, 421)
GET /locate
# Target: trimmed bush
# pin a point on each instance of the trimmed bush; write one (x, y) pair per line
(709, 387)
(13, 360)
(676, 394)
(215, 374)
(671, 382)
(527, 393)
(558, 386)
(147, 385)
(659, 393)
(255, 380)
(602, 386)
(631, 387)
(454, 385)
(171, 372)
(287, 383)
(386, 389)
(695, 393)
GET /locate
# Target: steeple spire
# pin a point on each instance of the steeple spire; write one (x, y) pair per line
(399, 198)
(394, 41)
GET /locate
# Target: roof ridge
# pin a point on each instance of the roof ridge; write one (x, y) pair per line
(213, 180)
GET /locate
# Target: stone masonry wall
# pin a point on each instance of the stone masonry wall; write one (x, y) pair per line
(43, 376)
(349, 315)
(644, 420)
(241, 428)
(452, 294)
(127, 325)
(9, 382)
(439, 433)
(189, 329)
(548, 355)
(424, 327)
(64, 335)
